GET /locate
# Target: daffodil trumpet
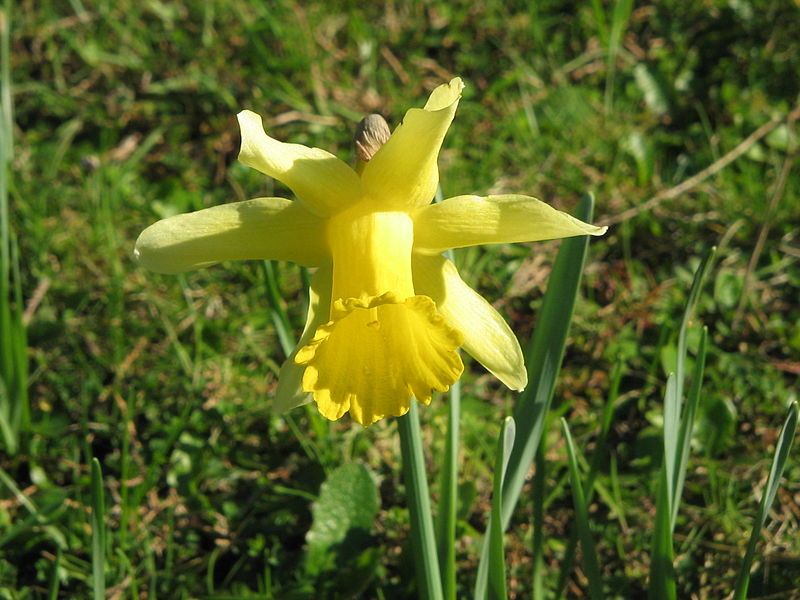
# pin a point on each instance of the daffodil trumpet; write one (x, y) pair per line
(388, 312)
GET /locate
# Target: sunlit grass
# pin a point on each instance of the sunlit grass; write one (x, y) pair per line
(123, 114)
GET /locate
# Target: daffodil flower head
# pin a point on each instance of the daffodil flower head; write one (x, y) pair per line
(388, 312)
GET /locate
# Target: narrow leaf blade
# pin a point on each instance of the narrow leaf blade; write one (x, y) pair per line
(589, 551)
(782, 449)
(496, 562)
(98, 533)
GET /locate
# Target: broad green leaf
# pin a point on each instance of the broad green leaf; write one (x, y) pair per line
(343, 517)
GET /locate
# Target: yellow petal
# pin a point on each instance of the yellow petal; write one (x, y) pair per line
(473, 220)
(263, 228)
(487, 337)
(325, 183)
(403, 174)
(376, 353)
(290, 391)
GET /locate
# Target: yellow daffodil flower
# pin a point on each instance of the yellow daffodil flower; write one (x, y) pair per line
(388, 312)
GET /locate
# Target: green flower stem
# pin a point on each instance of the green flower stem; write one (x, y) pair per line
(419, 506)
(448, 492)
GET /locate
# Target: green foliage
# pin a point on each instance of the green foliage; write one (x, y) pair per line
(340, 534)
(782, 448)
(98, 533)
(123, 114)
(14, 407)
(588, 550)
(415, 477)
(544, 356)
(496, 571)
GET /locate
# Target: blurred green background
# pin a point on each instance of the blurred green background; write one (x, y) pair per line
(124, 113)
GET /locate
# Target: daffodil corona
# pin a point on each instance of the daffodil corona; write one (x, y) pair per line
(388, 312)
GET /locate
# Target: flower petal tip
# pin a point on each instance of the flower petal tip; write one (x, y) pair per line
(515, 381)
(251, 127)
(456, 83)
(248, 115)
(445, 95)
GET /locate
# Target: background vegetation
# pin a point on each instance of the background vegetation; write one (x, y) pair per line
(124, 114)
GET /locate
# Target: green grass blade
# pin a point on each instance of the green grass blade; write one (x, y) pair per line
(600, 21)
(687, 423)
(588, 549)
(280, 318)
(619, 21)
(496, 565)
(605, 427)
(55, 582)
(20, 352)
(14, 406)
(6, 430)
(565, 567)
(539, 479)
(448, 494)
(782, 449)
(672, 426)
(419, 506)
(98, 533)
(6, 102)
(39, 517)
(6, 338)
(691, 302)
(34, 521)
